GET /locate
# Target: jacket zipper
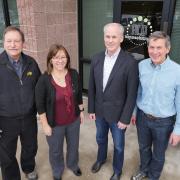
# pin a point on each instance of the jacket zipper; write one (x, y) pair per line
(22, 75)
(21, 82)
(20, 79)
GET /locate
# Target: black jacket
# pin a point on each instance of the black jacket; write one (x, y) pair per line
(117, 101)
(46, 95)
(17, 96)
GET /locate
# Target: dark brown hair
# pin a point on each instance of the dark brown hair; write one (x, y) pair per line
(53, 50)
(13, 28)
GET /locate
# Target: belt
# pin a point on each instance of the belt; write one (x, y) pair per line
(152, 117)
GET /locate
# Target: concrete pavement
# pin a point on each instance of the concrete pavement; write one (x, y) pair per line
(88, 149)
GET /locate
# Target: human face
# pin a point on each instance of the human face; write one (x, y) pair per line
(13, 44)
(157, 50)
(112, 39)
(59, 61)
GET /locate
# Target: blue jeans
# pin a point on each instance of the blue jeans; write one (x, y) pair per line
(118, 135)
(153, 137)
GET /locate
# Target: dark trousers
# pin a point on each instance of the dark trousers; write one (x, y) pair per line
(26, 129)
(153, 137)
(56, 141)
(118, 136)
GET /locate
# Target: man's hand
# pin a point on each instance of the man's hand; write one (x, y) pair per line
(92, 116)
(133, 120)
(121, 125)
(174, 139)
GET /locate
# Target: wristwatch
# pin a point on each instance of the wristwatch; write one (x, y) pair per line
(81, 110)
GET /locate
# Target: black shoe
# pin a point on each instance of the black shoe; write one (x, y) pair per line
(77, 172)
(57, 178)
(115, 176)
(139, 176)
(96, 166)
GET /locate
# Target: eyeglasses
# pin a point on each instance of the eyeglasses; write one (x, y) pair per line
(60, 58)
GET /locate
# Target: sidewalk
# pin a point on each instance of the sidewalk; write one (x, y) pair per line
(88, 149)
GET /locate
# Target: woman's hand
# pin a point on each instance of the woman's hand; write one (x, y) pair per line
(82, 117)
(47, 129)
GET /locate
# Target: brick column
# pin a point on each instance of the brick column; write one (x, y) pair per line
(45, 22)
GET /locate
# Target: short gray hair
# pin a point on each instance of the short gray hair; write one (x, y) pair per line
(160, 35)
(121, 28)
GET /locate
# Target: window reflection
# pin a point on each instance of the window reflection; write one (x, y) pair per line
(13, 13)
(175, 36)
(2, 25)
(95, 15)
(139, 20)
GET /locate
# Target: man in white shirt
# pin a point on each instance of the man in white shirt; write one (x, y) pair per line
(112, 94)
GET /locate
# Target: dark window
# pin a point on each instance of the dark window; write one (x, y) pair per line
(8, 16)
(175, 36)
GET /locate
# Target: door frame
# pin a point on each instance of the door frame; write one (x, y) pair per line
(6, 12)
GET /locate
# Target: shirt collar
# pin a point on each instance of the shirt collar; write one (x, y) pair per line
(12, 60)
(160, 65)
(114, 55)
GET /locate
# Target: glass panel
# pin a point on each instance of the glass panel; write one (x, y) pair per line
(13, 13)
(95, 15)
(175, 36)
(2, 26)
(140, 18)
(86, 72)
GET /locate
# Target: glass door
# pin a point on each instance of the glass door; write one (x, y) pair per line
(140, 19)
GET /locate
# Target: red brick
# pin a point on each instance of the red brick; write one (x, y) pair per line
(38, 6)
(69, 18)
(69, 6)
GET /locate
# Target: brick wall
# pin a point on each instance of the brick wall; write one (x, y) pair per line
(45, 22)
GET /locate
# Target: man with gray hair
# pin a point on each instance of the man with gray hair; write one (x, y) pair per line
(112, 94)
(158, 103)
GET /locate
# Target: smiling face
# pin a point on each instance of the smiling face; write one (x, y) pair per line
(59, 61)
(13, 44)
(112, 39)
(158, 50)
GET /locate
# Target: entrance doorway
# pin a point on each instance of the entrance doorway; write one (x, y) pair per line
(139, 18)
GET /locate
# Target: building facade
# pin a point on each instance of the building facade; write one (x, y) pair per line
(78, 24)
(43, 22)
(139, 18)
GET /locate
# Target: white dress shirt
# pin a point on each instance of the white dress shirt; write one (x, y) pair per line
(108, 66)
